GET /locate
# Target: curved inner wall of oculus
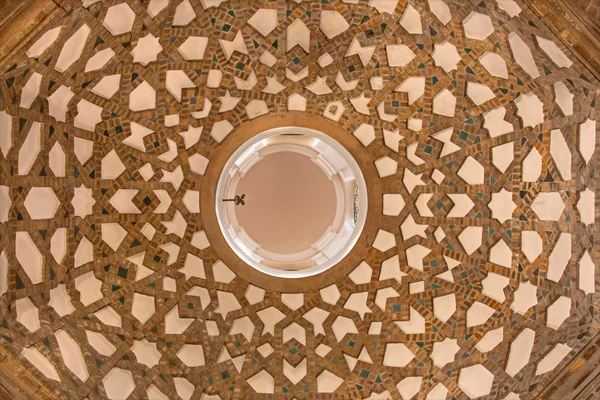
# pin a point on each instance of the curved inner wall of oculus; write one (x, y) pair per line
(291, 202)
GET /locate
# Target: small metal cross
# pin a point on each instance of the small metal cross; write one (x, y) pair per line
(237, 200)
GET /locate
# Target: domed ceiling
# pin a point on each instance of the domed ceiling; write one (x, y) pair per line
(477, 278)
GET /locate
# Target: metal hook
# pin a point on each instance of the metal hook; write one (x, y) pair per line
(237, 200)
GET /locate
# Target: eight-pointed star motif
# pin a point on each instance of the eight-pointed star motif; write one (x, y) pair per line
(83, 201)
(525, 298)
(443, 352)
(146, 50)
(446, 56)
(530, 109)
(502, 205)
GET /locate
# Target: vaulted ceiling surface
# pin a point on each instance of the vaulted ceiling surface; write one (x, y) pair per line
(480, 278)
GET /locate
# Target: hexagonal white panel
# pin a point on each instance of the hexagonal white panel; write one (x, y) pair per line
(476, 381)
(118, 384)
(548, 206)
(119, 19)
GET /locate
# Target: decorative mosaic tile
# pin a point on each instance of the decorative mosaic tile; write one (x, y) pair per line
(480, 124)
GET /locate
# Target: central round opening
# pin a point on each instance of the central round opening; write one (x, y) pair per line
(291, 202)
(286, 190)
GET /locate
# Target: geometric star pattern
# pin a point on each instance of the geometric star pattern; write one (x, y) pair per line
(112, 288)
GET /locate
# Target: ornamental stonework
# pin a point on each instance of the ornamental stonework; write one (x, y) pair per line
(479, 277)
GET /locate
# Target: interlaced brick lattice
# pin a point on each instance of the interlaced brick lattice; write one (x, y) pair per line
(481, 124)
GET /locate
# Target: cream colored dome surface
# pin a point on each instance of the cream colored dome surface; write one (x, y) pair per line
(290, 203)
(476, 274)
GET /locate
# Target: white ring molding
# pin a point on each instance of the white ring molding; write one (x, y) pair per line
(338, 165)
